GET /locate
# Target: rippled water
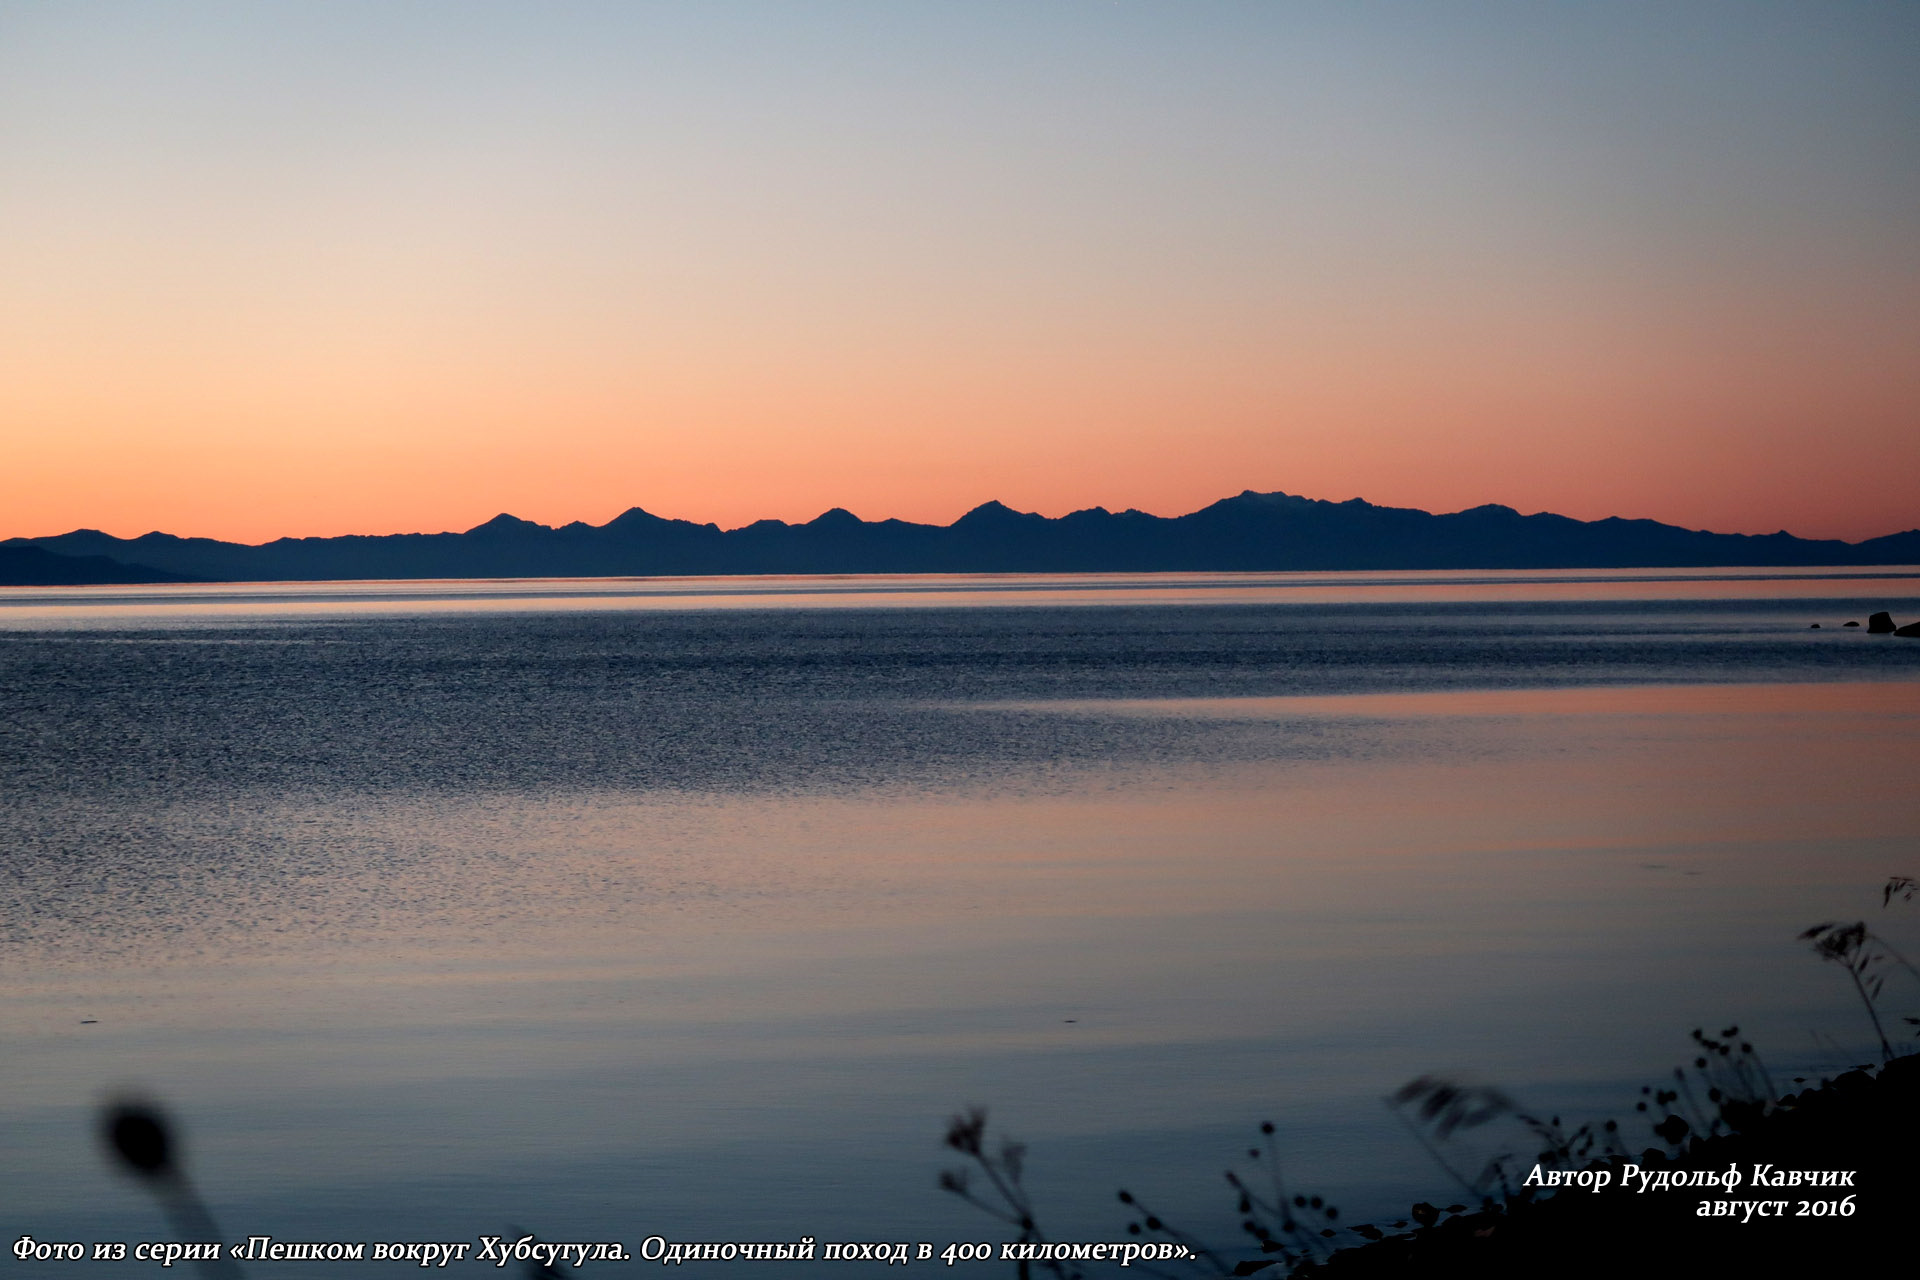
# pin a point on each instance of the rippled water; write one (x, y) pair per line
(617, 909)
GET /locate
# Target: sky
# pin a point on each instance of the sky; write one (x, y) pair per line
(345, 267)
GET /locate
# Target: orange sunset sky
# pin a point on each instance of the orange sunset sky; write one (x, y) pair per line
(352, 267)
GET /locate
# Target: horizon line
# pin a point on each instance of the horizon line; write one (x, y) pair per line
(988, 505)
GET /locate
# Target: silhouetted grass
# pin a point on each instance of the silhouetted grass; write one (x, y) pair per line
(141, 1141)
(1723, 1112)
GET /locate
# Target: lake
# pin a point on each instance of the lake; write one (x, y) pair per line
(695, 908)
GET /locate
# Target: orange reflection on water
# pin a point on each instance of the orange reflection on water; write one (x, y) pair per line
(1890, 697)
(199, 603)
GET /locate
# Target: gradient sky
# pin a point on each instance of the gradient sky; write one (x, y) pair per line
(378, 267)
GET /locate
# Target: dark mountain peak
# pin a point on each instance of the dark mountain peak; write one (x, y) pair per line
(1488, 509)
(634, 518)
(504, 523)
(994, 511)
(1250, 501)
(1250, 505)
(1906, 539)
(835, 518)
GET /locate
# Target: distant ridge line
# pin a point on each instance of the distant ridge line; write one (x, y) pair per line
(1250, 531)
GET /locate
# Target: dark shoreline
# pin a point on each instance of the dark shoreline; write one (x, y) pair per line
(1858, 1133)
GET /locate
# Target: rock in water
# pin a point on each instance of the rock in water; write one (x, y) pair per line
(1849, 624)
(1911, 629)
(1880, 624)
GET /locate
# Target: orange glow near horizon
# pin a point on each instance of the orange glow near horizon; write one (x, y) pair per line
(358, 441)
(556, 272)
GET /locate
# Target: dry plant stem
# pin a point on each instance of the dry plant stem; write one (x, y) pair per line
(967, 1135)
(1204, 1258)
(1852, 948)
(1434, 1151)
(1886, 1046)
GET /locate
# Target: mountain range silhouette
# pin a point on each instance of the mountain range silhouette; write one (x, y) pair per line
(1252, 531)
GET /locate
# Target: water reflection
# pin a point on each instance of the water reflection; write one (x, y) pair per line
(729, 1007)
(199, 604)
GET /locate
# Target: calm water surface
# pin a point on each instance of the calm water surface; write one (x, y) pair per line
(613, 909)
